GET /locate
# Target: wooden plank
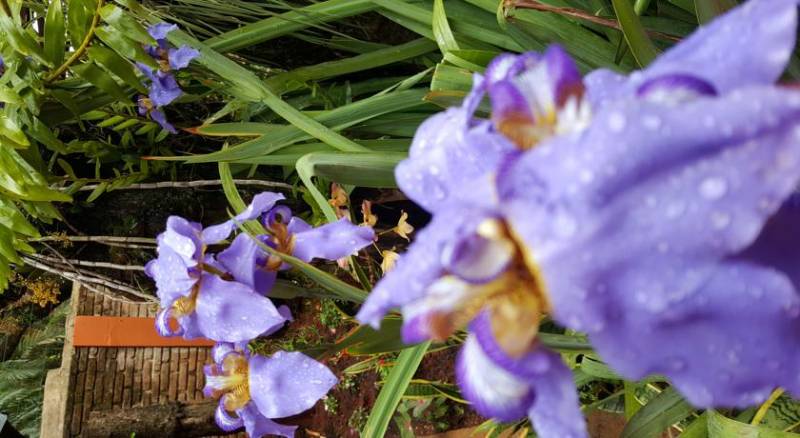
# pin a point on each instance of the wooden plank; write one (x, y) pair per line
(174, 363)
(138, 367)
(77, 405)
(87, 362)
(116, 331)
(191, 374)
(163, 385)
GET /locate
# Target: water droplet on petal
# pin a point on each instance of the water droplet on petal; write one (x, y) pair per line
(720, 220)
(713, 188)
(675, 209)
(616, 122)
(565, 225)
(651, 122)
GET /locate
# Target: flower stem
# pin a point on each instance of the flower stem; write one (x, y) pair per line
(762, 410)
(81, 49)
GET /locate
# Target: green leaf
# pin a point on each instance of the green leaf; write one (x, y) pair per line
(124, 46)
(252, 88)
(632, 405)
(441, 30)
(660, 413)
(720, 426)
(117, 65)
(707, 10)
(122, 21)
(54, 33)
(288, 22)
(697, 428)
(339, 118)
(102, 80)
(79, 19)
(367, 341)
(393, 390)
(10, 130)
(639, 42)
(21, 40)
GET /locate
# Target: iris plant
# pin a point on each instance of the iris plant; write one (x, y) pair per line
(648, 211)
(222, 296)
(163, 88)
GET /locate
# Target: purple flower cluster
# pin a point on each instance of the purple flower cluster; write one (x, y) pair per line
(163, 89)
(223, 297)
(649, 211)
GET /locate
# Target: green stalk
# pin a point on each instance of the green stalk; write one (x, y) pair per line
(287, 23)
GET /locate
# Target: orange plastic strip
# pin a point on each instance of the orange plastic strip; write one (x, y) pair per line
(114, 331)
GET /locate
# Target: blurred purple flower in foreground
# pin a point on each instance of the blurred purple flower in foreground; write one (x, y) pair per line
(647, 211)
(163, 88)
(254, 389)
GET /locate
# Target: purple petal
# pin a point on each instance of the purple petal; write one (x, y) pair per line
(477, 259)
(261, 203)
(287, 384)
(163, 327)
(225, 421)
(493, 391)
(563, 73)
(668, 193)
(159, 31)
(153, 50)
(675, 88)
(331, 241)
(164, 89)
(451, 161)
(777, 245)
(556, 408)
(706, 344)
(159, 117)
(232, 312)
(281, 214)
(244, 259)
(172, 276)
(749, 45)
(148, 72)
(182, 237)
(604, 86)
(220, 350)
(286, 314)
(421, 265)
(181, 57)
(442, 297)
(258, 425)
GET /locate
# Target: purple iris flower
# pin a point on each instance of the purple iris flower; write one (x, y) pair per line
(288, 234)
(198, 292)
(649, 211)
(169, 58)
(254, 389)
(163, 88)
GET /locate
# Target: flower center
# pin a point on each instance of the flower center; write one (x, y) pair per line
(230, 380)
(513, 295)
(283, 241)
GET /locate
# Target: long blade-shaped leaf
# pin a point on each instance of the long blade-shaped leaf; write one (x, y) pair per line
(639, 42)
(662, 412)
(393, 390)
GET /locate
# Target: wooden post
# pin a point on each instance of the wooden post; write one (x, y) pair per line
(168, 420)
